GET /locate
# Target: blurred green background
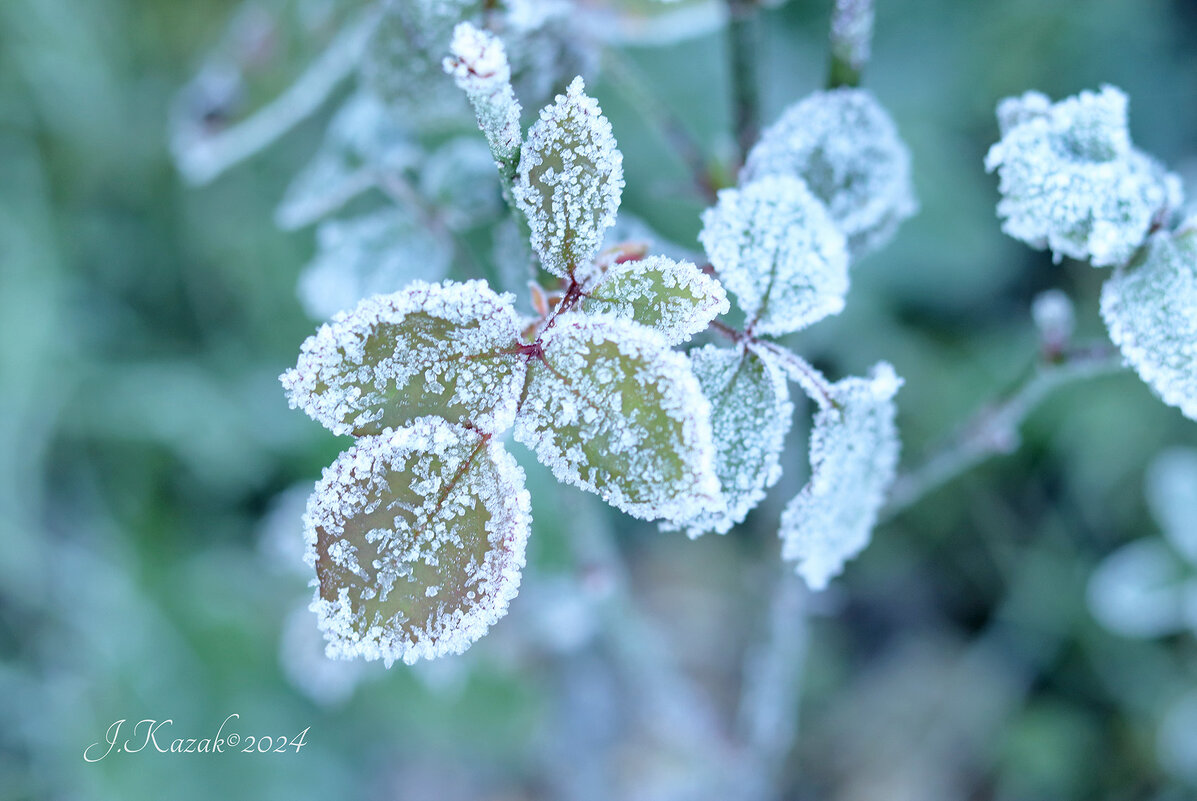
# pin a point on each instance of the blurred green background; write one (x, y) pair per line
(146, 559)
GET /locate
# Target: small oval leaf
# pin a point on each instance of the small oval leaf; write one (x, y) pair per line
(1150, 309)
(570, 181)
(774, 245)
(612, 410)
(444, 349)
(853, 457)
(417, 537)
(674, 298)
(751, 414)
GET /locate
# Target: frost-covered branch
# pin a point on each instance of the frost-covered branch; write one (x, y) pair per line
(851, 41)
(993, 430)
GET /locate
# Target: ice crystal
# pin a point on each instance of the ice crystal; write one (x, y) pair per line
(1150, 309)
(459, 180)
(774, 245)
(675, 298)
(853, 456)
(570, 181)
(1172, 495)
(364, 143)
(1071, 180)
(443, 349)
(479, 66)
(612, 410)
(418, 536)
(846, 148)
(751, 414)
(374, 254)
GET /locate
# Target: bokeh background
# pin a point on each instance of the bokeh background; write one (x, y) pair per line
(149, 465)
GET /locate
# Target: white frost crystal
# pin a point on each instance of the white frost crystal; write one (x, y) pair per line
(774, 245)
(846, 148)
(570, 181)
(375, 254)
(751, 414)
(446, 349)
(1071, 180)
(854, 456)
(1150, 309)
(673, 297)
(612, 410)
(479, 66)
(364, 143)
(432, 505)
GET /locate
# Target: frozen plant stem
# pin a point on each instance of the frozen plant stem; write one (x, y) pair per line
(798, 369)
(743, 45)
(994, 428)
(851, 41)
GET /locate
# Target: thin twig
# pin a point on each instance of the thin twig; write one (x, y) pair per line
(744, 46)
(994, 429)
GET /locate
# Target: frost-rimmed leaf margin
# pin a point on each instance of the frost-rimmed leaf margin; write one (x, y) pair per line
(392, 358)
(654, 458)
(570, 181)
(448, 491)
(674, 298)
(1150, 309)
(854, 458)
(751, 414)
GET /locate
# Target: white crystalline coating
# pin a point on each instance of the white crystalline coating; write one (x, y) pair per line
(570, 181)
(1172, 495)
(375, 254)
(1136, 591)
(846, 148)
(444, 349)
(852, 31)
(612, 410)
(429, 505)
(479, 67)
(774, 245)
(1072, 182)
(364, 142)
(853, 456)
(751, 414)
(674, 298)
(459, 180)
(1150, 309)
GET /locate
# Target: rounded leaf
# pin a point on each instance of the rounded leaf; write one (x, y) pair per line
(1150, 309)
(609, 408)
(570, 181)
(774, 245)
(674, 298)
(853, 458)
(432, 349)
(1138, 590)
(417, 536)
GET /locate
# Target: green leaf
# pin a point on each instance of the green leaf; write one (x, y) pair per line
(751, 414)
(612, 410)
(433, 349)
(417, 537)
(673, 297)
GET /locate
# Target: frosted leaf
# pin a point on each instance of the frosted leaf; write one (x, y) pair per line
(375, 254)
(1172, 495)
(612, 410)
(751, 414)
(480, 69)
(1150, 309)
(570, 181)
(853, 457)
(773, 244)
(1071, 181)
(846, 148)
(364, 141)
(444, 349)
(459, 180)
(418, 539)
(1136, 590)
(675, 298)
